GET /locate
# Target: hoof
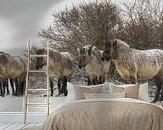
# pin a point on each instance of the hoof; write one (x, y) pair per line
(66, 92)
(154, 101)
(18, 95)
(2, 95)
(14, 94)
(46, 95)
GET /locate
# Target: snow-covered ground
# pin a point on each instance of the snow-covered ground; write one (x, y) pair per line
(11, 103)
(15, 104)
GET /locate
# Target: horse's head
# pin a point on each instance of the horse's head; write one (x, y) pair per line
(84, 56)
(40, 61)
(110, 50)
(4, 58)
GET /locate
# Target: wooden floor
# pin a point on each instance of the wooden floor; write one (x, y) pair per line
(17, 126)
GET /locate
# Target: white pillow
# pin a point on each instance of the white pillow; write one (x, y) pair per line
(71, 95)
(143, 92)
(104, 95)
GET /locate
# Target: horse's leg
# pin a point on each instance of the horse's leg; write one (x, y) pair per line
(60, 81)
(12, 86)
(94, 81)
(101, 80)
(4, 88)
(89, 81)
(133, 75)
(16, 80)
(158, 85)
(7, 86)
(97, 80)
(51, 87)
(86, 79)
(132, 79)
(64, 86)
(21, 85)
(1, 89)
(62, 89)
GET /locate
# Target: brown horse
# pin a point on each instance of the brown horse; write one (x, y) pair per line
(61, 67)
(3, 80)
(13, 68)
(17, 73)
(134, 65)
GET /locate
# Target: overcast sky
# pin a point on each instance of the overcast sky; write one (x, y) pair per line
(23, 19)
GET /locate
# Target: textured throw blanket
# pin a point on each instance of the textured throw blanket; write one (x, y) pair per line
(105, 114)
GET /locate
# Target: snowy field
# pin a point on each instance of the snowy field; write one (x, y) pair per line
(11, 103)
(15, 104)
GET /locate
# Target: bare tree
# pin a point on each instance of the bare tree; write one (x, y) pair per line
(143, 24)
(91, 23)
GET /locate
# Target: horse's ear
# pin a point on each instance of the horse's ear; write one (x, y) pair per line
(90, 50)
(115, 44)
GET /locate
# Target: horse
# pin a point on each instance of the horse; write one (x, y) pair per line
(135, 65)
(3, 80)
(90, 59)
(61, 65)
(18, 74)
(14, 69)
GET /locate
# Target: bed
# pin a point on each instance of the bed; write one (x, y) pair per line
(105, 107)
(105, 114)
